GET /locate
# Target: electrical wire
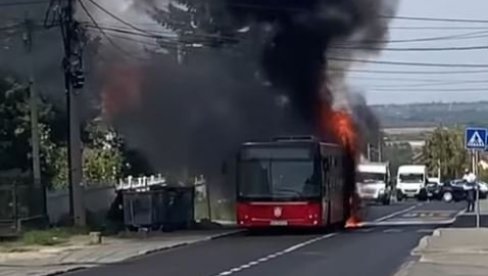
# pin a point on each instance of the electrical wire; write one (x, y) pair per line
(114, 16)
(468, 35)
(404, 63)
(414, 49)
(436, 28)
(109, 39)
(419, 80)
(433, 19)
(200, 36)
(481, 89)
(23, 3)
(429, 84)
(400, 72)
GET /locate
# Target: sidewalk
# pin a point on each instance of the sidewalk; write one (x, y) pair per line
(469, 219)
(450, 252)
(54, 260)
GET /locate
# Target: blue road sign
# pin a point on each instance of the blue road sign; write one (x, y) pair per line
(476, 138)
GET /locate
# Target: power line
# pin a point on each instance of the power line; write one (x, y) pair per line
(414, 49)
(10, 27)
(17, 3)
(406, 79)
(428, 84)
(404, 63)
(481, 89)
(340, 46)
(420, 49)
(394, 72)
(434, 28)
(432, 19)
(469, 35)
(115, 45)
(118, 18)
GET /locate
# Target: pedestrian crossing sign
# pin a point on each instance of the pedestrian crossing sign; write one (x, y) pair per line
(476, 138)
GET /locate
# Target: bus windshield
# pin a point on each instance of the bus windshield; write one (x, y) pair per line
(366, 177)
(277, 179)
(411, 178)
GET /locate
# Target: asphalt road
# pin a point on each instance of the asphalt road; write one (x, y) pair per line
(376, 250)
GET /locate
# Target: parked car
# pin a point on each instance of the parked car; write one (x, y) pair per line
(483, 189)
(431, 191)
(456, 190)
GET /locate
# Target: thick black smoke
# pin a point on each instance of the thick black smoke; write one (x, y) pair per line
(259, 73)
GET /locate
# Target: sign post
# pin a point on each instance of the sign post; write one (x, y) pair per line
(476, 139)
(477, 159)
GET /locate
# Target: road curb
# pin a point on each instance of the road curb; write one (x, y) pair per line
(206, 239)
(404, 269)
(82, 266)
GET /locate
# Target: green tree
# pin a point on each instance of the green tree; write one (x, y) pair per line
(445, 148)
(398, 154)
(102, 157)
(15, 129)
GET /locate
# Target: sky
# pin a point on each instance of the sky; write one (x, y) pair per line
(392, 84)
(419, 86)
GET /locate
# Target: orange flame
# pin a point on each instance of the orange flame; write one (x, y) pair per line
(121, 91)
(341, 125)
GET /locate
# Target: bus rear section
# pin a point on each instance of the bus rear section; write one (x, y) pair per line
(282, 184)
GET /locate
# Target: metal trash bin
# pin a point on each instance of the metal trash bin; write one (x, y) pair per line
(143, 209)
(179, 208)
(167, 208)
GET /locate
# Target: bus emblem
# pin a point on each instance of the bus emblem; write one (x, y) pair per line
(278, 212)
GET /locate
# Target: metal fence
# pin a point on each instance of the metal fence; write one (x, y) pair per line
(21, 203)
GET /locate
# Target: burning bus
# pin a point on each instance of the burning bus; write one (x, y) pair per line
(293, 182)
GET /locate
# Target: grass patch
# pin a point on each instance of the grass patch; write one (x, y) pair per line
(50, 237)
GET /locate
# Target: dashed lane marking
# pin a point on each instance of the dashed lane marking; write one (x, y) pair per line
(398, 212)
(365, 230)
(428, 231)
(274, 255)
(393, 230)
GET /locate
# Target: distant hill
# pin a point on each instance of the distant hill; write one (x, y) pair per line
(432, 114)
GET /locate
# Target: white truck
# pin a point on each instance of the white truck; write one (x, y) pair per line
(373, 182)
(410, 181)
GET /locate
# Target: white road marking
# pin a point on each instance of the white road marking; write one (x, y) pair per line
(365, 230)
(274, 255)
(398, 212)
(408, 222)
(425, 231)
(393, 230)
(405, 268)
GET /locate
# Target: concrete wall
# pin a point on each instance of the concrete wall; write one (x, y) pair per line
(97, 200)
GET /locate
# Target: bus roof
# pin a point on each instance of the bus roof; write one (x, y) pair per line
(288, 143)
(291, 140)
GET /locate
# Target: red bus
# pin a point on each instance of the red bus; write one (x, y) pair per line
(292, 182)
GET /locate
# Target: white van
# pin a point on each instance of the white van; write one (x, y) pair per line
(373, 182)
(410, 180)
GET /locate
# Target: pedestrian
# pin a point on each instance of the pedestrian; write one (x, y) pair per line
(470, 179)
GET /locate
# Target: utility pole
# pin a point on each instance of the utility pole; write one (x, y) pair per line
(36, 164)
(380, 147)
(77, 209)
(369, 152)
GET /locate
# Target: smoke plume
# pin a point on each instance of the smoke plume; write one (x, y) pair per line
(234, 70)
